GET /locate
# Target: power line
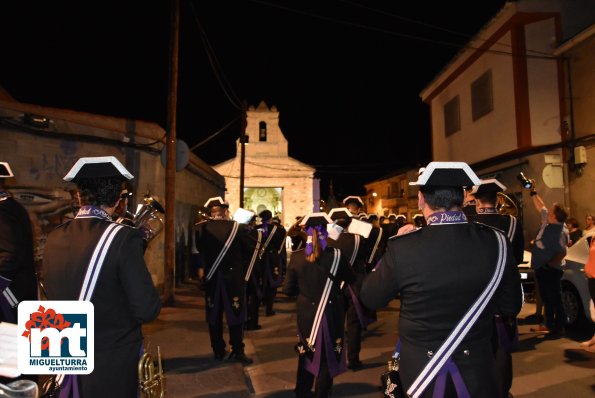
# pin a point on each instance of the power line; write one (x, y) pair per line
(539, 55)
(216, 66)
(216, 133)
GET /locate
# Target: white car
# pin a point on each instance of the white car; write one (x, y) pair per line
(575, 290)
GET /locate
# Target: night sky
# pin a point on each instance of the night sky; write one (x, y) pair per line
(344, 75)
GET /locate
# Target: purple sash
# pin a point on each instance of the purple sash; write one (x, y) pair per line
(69, 388)
(335, 366)
(457, 379)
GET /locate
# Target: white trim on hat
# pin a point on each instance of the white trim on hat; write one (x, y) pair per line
(339, 209)
(360, 201)
(424, 175)
(10, 173)
(314, 215)
(97, 159)
(488, 181)
(217, 198)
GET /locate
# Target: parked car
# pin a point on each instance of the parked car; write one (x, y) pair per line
(575, 290)
(527, 277)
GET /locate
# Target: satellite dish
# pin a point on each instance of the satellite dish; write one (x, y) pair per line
(553, 175)
(182, 155)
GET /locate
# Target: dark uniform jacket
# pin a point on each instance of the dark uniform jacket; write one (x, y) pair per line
(211, 236)
(375, 244)
(306, 281)
(439, 271)
(273, 247)
(124, 299)
(16, 254)
(509, 226)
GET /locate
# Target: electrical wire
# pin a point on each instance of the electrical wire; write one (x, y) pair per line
(216, 66)
(216, 133)
(405, 35)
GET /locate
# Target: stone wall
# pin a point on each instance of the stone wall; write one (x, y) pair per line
(41, 156)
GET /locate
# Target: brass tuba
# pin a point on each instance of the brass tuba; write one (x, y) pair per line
(151, 383)
(147, 219)
(506, 205)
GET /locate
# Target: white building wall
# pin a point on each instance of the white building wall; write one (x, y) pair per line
(543, 84)
(492, 134)
(267, 165)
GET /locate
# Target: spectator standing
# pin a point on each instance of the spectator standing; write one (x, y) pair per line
(574, 232)
(589, 225)
(547, 258)
(590, 274)
(440, 271)
(124, 297)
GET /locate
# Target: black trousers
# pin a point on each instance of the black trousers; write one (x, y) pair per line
(551, 294)
(236, 336)
(305, 380)
(252, 302)
(353, 329)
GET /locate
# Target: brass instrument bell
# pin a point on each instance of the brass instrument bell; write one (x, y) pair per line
(151, 383)
(147, 219)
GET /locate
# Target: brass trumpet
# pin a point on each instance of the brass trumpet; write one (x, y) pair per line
(151, 383)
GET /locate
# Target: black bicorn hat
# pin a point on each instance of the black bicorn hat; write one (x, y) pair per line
(265, 215)
(314, 219)
(447, 174)
(489, 185)
(5, 170)
(216, 201)
(353, 199)
(372, 217)
(97, 167)
(339, 213)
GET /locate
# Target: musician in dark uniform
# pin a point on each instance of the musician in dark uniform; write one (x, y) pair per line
(223, 245)
(18, 281)
(506, 334)
(297, 235)
(444, 272)
(376, 242)
(391, 227)
(354, 248)
(124, 296)
(486, 201)
(271, 252)
(314, 275)
(254, 277)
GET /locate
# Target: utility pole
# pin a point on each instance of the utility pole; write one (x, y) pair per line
(243, 140)
(170, 170)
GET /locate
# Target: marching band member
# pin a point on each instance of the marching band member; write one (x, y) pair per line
(314, 275)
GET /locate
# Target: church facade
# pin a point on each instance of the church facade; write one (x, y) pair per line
(272, 180)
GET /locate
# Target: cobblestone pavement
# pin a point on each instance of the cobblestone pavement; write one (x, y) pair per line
(542, 367)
